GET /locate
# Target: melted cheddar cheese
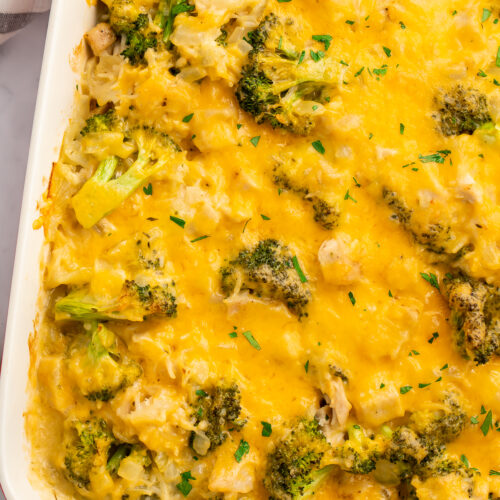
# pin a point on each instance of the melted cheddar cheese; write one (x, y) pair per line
(377, 311)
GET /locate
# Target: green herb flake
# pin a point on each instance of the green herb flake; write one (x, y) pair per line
(188, 118)
(296, 265)
(178, 221)
(382, 385)
(318, 146)
(184, 486)
(204, 237)
(352, 298)
(243, 449)
(350, 22)
(267, 429)
(431, 279)
(251, 340)
(343, 63)
(390, 294)
(255, 141)
(422, 386)
(246, 224)
(497, 61)
(233, 335)
(201, 393)
(405, 389)
(413, 352)
(402, 24)
(401, 128)
(444, 367)
(349, 197)
(434, 336)
(359, 72)
(356, 183)
(265, 217)
(301, 57)
(465, 461)
(325, 39)
(148, 190)
(474, 420)
(488, 423)
(486, 15)
(239, 125)
(482, 74)
(494, 472)
(387, 51)
(316, 56)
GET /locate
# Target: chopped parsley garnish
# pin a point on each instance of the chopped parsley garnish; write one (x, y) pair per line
(246, 224)
(301, 57)
(148, 190)
(352, 298)
(358, 185)
(184, 486)
(438, 157)
(482, 74)
(382, 385)
(402, 24)
(486, 15)
(387, 51)
(325, 39)
(413, 353)
(233, 335)
(306, 366)
(488, 423)
(316, 56)
(251, 340)
(494, 472)
(444, 367)
(422, 386)
(401, 128)
(405, 389)
(255, 141)
(431, 279)
(465, 461)
(242, 450)
(390, 294)
(265, 217)
(359, 72)
(267, 430)
(498, 58)
(349, 197)
(178, 221)
(434, 336)
(350, 22)
(318, 146)
(201, 393)
(204, 237)
(296, 265)
(239, 125)
(474, 420)
(382, 71)
(343, 63)
(188, 118)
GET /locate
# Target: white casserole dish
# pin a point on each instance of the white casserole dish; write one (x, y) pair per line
(69, 20)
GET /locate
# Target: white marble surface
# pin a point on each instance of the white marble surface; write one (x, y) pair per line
(20, 63)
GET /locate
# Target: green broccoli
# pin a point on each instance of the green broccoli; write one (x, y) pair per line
(168, 10)
(126, 19)
(325, 214)
(137, 302)
(87, 445)
(475, 316)
(267, 270)
(360, 452)
(461, 111)
(131, 452)
(102, 193)
(299, 463)
(436, 238)
(280, 85)
(217, 411)
(102, 122)
(396, 455)
(99, 369)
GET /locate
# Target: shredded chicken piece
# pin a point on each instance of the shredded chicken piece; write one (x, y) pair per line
(100, 37)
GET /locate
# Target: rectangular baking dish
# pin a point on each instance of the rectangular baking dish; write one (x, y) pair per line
(69, 20)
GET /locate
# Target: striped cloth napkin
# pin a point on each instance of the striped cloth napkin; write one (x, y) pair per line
(16, 14)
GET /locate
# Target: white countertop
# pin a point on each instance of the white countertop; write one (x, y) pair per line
(20, 63)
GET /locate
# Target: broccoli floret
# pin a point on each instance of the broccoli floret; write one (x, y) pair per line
(99, 369)
(461, 111)
(102, 193)
(436, 238)
(217, 412)
(360, 452)
(267, 270)
(134, 453)
(126, 19)
(87, 445)
(325, 214)
(136, 303)
(299, 463)
(279, 80)
(102, 122)
(168, 10)
(475, 316)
